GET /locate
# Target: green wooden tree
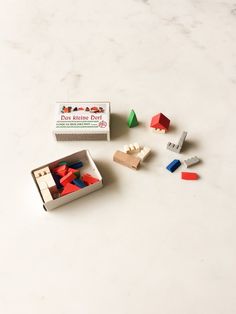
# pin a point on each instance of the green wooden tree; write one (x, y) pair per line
(132, 119)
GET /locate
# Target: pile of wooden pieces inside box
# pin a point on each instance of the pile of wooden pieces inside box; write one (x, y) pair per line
(133, 155)
(63, 179)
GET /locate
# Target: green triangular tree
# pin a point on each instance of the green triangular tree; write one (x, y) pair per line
(132, 119)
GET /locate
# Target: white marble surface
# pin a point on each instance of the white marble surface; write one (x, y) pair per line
(148, 242)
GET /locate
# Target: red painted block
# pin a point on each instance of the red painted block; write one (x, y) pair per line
(88, 179)
(67, 178)
(189, 176)
(61, 170)
(75, 171)
(69, 188)
(160, 121)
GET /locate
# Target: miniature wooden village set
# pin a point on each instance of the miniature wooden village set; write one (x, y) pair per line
(74, 176)
(67, 179)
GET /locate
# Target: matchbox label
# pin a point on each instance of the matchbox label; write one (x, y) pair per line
(82, 117)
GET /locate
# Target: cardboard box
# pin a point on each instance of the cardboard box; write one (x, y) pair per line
(88, 167)
(82, 121)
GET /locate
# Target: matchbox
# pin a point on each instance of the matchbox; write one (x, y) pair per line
(82, 121)
(54, 192)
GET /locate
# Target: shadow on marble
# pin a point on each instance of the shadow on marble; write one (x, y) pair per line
(141, 124)
(173, 128)
(148, 163)
(190, 146)
(107, 174)
(79, 205)
(119, 125)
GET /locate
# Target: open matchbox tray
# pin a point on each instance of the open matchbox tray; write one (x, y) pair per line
(88, 167)
(82, 121)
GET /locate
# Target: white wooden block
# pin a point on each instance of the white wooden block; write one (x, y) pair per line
(42, 185)
(46, 194)
(191, 161)
(177, 147)
(145, 152)
(48, 180)
(41, 172)
(126, 149)
(137, 147)
(131, 148)
(45, 180)
(161, 131)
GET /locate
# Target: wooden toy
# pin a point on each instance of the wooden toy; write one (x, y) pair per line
(144, 153)
(62, 163)
(173, 165)
(132, 148)
(137, 147)
(177, 147)
(132, 119)
(88, 179)
(61, 170)
(70, 176)
(49, 181)
(72, 190)
(79, 183)
(57, 179)
(189, 176)
(126, 160)
(76, 165)
(46, 183)
(42, 172)
(160, 123)
(126, 149)
(90, 122)
(191, 161)
(43, 176)
(75, 171)
(44, 190)
(69, 188)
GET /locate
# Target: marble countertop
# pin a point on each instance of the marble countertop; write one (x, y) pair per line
(147, 242)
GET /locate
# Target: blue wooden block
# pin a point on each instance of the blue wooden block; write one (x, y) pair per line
(79, 183)
(76, 165)
(173, 165)
(57, 178)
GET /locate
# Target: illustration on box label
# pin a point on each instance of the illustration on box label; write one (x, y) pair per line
(93, 109)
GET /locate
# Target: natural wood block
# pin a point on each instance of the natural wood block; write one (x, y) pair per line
(126, 160)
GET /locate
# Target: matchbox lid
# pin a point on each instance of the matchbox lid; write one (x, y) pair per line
(82, 118)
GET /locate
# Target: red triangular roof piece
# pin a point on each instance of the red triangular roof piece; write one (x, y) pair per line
(160, 121)
(69, 188)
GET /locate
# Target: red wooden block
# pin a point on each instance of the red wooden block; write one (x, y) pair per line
(189, 175)
(75, 171)
(69, 188)
(160, 121)
(61, 170)
(88, 179)
(67, 178)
